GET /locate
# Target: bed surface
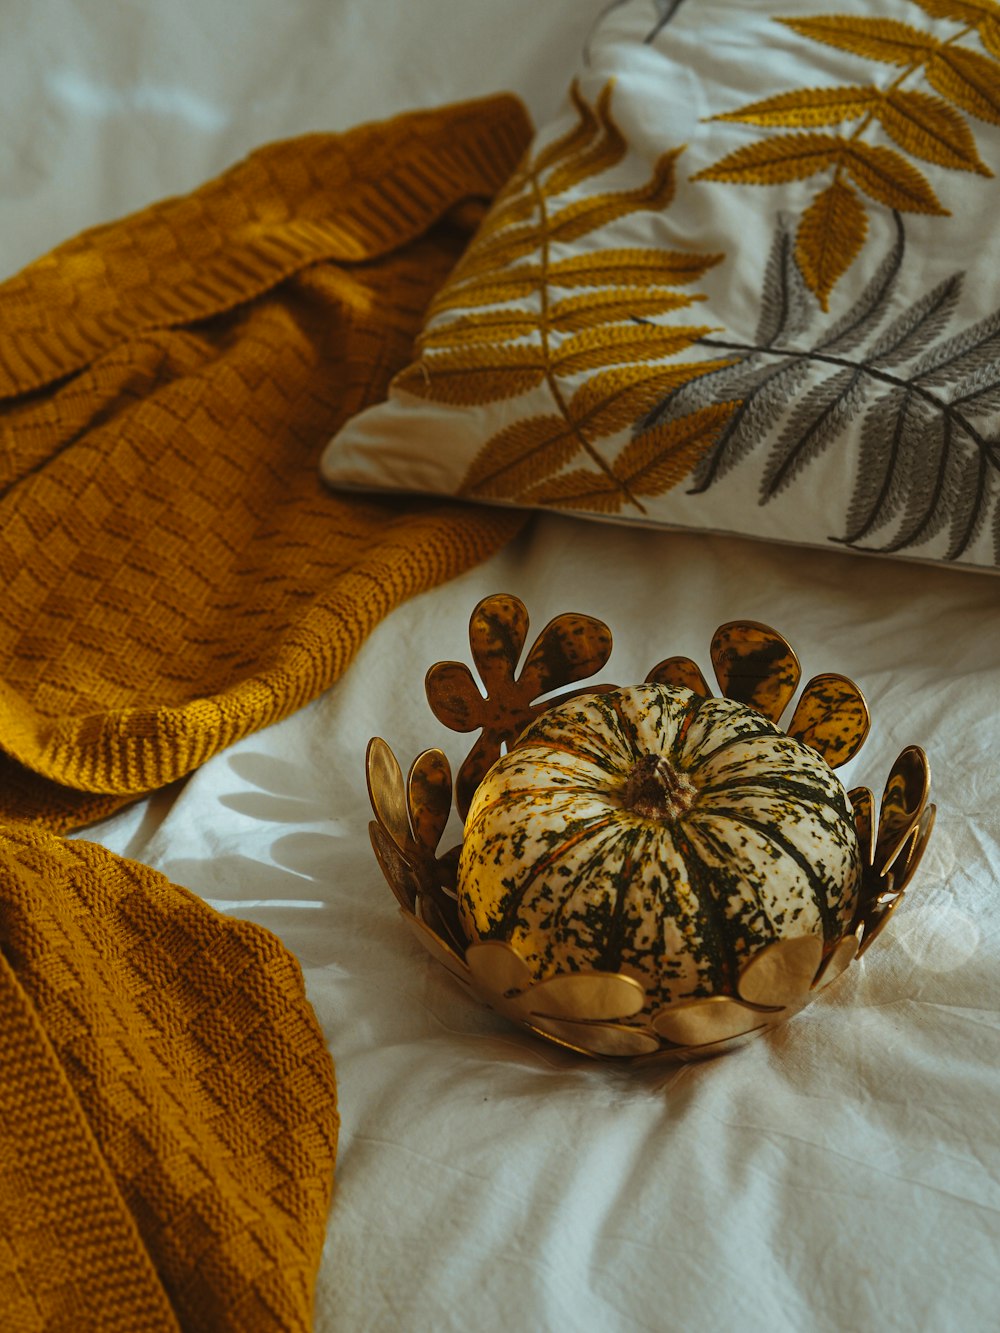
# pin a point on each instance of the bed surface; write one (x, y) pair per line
(840, 1174)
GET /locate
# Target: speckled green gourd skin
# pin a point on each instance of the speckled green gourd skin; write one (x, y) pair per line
(555, 864)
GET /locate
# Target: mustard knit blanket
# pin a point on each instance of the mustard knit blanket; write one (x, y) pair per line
(174, 578)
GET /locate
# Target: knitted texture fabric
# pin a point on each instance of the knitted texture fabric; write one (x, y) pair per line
(167, 1106)
(175, 574)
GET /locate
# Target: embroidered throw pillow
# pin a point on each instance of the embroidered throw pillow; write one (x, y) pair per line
(748, 281)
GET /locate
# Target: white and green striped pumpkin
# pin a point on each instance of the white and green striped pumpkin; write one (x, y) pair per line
(658, 833)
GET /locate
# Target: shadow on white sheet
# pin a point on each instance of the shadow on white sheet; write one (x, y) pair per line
(842, 1173)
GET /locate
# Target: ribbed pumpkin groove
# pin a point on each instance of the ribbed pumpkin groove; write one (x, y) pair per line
(657, 832)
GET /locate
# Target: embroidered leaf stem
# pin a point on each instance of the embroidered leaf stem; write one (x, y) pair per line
(522, 316)
(926, 402)
(929, 127)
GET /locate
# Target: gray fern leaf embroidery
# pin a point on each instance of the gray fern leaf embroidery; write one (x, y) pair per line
(665, 11)
(923, 405)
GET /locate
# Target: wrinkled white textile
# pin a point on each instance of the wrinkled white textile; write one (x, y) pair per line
(840, 1174)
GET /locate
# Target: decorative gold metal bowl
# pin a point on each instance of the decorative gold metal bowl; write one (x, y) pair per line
(599, 1013)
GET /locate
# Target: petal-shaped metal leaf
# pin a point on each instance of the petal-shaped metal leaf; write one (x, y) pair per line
(711, 1049)
(903, 800)
(863, 801)
(844, 953)
(475, 766)
(429, 794)
(441, 917)
(498, 628)
(587, 996)
(438, 948)
(571, 647)
(603, 687)
(680, 671)
(782, 973)
(394, 866)
(598, 1038)
(448, 870)
(877, 920)
(754, 665)
(387, 792)
(498, 968)
(832, 718)
(905, 865)
(699, 1022)
(454, 696)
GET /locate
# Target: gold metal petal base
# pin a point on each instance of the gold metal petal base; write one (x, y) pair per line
(599, 1013)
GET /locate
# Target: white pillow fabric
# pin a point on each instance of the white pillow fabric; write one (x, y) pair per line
(747, 282)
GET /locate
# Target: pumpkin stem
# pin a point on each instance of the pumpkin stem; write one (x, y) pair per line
(656, 790)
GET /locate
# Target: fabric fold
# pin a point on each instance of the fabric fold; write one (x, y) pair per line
(176, 576)
(350, 198)
(168, 1120)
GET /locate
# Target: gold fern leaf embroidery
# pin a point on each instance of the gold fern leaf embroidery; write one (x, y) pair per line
(652, 463)
(576, 141)
(514, 285)
(614, 399)
(642, 272)
(514, 456)
(495, 326)
(929, 128)
(586, 215)
(925, 126)
(605, 304)
(493, 249)
(636, 268)
(880, 172)
(657, 459)
(597, 492)
(606, 152)
(518, 315)
(597, 347)
(887, 177)
(807, 108)
(508, 232)
(970, 80)
(983, 15)
(604, 404)
(832, 231)
(886, 40)
(464, 377)
(516, 204)
(775, 161)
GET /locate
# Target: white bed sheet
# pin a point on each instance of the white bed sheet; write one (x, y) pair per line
(841, 1174)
